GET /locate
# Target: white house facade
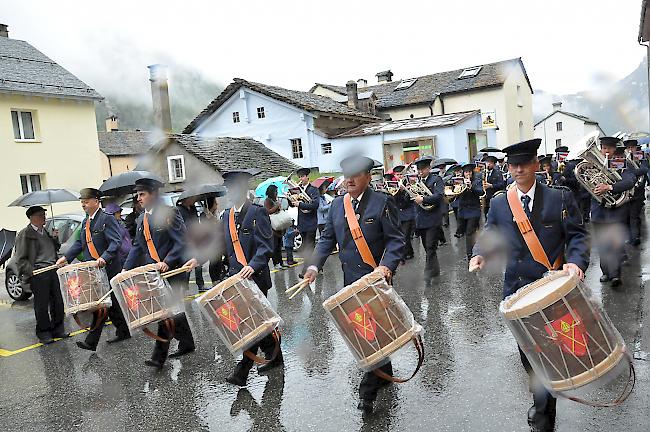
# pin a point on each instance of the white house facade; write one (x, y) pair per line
(563, 128)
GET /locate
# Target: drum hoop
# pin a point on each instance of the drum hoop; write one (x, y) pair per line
(345, 294)
(544, 302)
(587, 377)
(77, 266)
(218, 289)
(121, 277)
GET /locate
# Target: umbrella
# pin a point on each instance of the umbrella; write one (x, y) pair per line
(123, 183)
(204, 191)
(490, 150)
(45, 197)
(445, 161)
(7, 241)
(260, 190)
(320, 180)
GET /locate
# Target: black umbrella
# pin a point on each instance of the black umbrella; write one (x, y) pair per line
(204, 191)
(45, 197)
(7, 241)
(490, 150)
(445, 161)
(123, 183)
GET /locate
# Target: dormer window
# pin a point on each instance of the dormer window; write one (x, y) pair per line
(406, 83)
(470, 72)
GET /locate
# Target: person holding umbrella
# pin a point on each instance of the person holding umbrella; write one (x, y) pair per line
(272, 206)
(100, 241)
(36, 249)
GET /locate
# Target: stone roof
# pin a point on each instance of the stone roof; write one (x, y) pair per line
(303, 100)
(124, 143)
(26, 70)
(570, 114)
(426, 88)
(436, 121)
(226, 154)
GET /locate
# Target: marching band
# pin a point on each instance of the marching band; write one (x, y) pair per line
(372, 223)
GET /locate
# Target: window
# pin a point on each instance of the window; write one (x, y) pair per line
(326, 148)
(405, 83)
(176, 168)
(521, 131)
(30, 182)
(558, 143)
(23, 125)
(260, 113)
(296, 148)
(470, 72)
(558, 126)
(519, 102)
(235, 117)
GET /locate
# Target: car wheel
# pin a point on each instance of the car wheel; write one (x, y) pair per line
(297, 242)
(14, 287)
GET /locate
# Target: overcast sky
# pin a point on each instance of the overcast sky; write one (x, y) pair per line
(566, 45)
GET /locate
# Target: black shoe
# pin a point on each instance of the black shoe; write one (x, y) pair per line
(276, 362)
(237, 380)
(154, 363)
(45, 340)
(86, 346)
(605, 278)
(539, 422)
(365, 405)
(616, 282)
(118, 339)
(292, 263)
(181, 352)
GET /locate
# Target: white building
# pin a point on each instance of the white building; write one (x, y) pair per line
(562, 128)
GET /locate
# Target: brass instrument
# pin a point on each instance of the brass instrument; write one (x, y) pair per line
(639, 181)
(594, 170)
(415, 187)
(546, 175)
(295, 192)
(456, 189)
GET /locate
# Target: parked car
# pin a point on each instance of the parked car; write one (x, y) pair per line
(169, 198)
(69, 225)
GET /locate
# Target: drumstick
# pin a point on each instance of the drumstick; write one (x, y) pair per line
(301, 286)
(105, 295)
(45, 269)
(296, 286)
(176, 271)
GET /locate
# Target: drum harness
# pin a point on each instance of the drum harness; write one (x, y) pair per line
(368, 258)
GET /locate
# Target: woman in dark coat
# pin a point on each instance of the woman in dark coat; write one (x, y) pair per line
(272, 205)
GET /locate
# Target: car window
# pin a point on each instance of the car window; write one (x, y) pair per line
(70, 227)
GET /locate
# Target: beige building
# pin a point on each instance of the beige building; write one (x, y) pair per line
(501, 90)
(121, 150)
(47, 129)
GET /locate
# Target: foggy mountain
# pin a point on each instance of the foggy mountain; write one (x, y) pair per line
(616, 105)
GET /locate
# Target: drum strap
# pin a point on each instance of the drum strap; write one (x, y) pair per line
(419, 346)
(357, 234)
(234, 237)
(147, 237)
(527, 232)
(89, 241)
(277, 337)
(170, 324)
(102, 314)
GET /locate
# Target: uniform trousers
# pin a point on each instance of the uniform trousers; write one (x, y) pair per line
(610, 240)
(407, 229)
(48, 304)
(371, 383)
(429, 237)
(117, 318)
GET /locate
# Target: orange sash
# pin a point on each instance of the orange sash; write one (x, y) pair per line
(89, 241)
(147, 237)
(527, 232)
(239, 252)
(357, 234)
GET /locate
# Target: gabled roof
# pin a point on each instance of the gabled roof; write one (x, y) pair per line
(124, 143)
(577, 116)
(409, 124)
(26, 70)
(226, 154)
(303, 100)
(427, 88)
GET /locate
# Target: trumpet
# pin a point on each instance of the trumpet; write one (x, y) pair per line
(296, 193)
(415, 187)
(456, 188)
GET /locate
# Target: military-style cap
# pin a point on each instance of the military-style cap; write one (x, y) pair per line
(561, 149)
(630, 143)
(453, 168)
(376, 164)
(423, 162)
(241, 175)
(488, 158)
(545, 160)
(435, 171)
(34, 209)
(522, 152)
(439, 165)
(147, 185)
(355, 165)
(609, 141)
(303, 171)
(89, 193)
(469, 166)
(397, 169)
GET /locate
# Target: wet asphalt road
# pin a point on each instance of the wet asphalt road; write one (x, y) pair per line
(472, 379)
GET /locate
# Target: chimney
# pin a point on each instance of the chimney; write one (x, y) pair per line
(361, 83)
(4, 30)
(111, 123)
(384, 76)
(557, 106)
(353, 95)
(160, 96)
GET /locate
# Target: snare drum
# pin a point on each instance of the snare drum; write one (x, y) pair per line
(239, 312)
(373, 320)
(145, 297)
(566, 335)
(83, 285)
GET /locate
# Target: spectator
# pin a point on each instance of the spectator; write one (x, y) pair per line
(131, 218)
(116, 211)
(288, 240)
(323, 207)
(272, 205)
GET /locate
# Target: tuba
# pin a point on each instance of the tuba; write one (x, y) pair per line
(594, 170)
(415, 187)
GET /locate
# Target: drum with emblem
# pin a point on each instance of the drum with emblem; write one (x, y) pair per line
(566, 335)
(373, 320)
(84, 287)
(239, 312)
(145, 296)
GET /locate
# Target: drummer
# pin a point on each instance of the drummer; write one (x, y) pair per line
(379, 221)
(558, 225)
(100, 241)
(164, 228)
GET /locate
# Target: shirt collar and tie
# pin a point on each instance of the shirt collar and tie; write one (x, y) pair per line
(37, 229)
(356, 201)
(527, 199)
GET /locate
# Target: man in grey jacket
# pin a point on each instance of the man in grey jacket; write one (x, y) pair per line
(36, 249)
